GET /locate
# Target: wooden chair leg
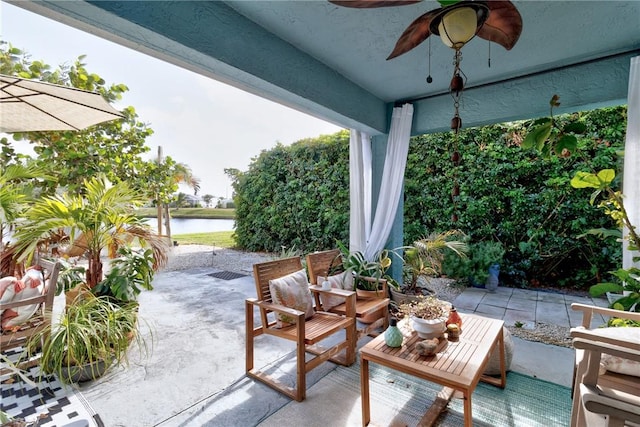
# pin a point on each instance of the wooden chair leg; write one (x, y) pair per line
(352, 340)
(301, 369)
(248, 336)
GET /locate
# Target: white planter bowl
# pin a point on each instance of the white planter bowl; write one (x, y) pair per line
(429, 328)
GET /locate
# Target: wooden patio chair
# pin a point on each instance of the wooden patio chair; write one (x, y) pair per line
(17, 336)
(611, 392)
(306, 328)
(373, 313)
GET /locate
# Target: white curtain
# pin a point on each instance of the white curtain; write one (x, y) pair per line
(371, 239)
(359, 190)
(631, 177)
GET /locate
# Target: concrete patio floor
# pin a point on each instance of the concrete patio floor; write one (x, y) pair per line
(194, 375)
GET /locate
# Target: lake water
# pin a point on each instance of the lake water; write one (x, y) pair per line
(195, 225)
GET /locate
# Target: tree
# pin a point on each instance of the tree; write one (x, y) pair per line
(113, 148)
(207, 198)
(180, 200)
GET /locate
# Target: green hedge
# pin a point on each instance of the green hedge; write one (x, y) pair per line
(298, 196)
(295, 196)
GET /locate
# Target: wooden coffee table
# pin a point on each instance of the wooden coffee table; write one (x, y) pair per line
(458, 365)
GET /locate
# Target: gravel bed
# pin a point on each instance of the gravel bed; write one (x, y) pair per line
(191, 256)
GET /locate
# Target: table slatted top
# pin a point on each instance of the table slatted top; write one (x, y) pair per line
(457, 364)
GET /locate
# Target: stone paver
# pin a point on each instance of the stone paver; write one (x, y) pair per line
(491, 311)
(512, 316)
(521, 304)
(525, 294)
(469, 300)
(550, 297)
(496, 300)
(528, 306)
(553, 313)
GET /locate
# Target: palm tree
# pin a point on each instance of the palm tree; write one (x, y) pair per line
(184, 175)
(100, 220)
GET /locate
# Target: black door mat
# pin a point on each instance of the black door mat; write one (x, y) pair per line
(226, 275)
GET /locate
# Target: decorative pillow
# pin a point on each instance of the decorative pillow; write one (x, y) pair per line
(338, 281)
(12, 290)
(617, 364)
(292, 291)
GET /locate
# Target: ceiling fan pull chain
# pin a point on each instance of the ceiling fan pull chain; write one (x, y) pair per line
(456, 88)
(429, 78)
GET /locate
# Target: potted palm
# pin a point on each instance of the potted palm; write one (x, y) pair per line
(101, 321)
(424, 259)
(98, 222)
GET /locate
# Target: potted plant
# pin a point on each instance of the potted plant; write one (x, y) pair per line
(368, 276)
(89, 337)
(476, 265)
(424, 259)
(428, 315)
(101, 219)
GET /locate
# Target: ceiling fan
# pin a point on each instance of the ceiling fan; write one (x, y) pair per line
(456, 22)
(496, 21)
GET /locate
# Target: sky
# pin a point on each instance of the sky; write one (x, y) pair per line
(198, 121)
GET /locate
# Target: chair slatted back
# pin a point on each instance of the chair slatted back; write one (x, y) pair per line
(324, 263)
(265, 271)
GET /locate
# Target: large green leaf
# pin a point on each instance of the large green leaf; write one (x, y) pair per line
(537, 137)
(606, 176)
(602, 288)
(585, 180)
(566, 142)
(575, 127)
(602, 233)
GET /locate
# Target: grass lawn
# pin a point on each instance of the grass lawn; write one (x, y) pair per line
(203, 213)
(221, 239)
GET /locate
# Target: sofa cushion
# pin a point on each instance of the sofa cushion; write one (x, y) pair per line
(291, 291)
(618, 364)
(338, 281)
(12, 290)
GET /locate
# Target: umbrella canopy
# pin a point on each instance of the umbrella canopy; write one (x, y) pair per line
(31, 105)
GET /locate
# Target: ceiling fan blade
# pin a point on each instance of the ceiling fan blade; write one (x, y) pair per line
(504, 24)
(415, 34)
(365, 4)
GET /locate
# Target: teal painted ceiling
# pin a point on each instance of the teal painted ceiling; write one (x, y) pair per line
(330, 61)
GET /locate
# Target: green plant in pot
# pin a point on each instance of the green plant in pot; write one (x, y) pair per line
(89, 337)
(424, 259)
(368, 275)
(475, 266)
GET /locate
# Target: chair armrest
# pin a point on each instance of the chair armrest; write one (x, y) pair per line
(589, 310)
(349, 297)
(333, 291)
(627, 350)
(597, 340)
(599, 404)
(29, 301)
(276, 308)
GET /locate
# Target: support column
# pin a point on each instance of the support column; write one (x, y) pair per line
(396, 237)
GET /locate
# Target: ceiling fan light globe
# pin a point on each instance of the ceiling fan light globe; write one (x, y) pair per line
(458, 26)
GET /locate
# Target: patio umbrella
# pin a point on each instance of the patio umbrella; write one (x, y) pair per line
(31, 105)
